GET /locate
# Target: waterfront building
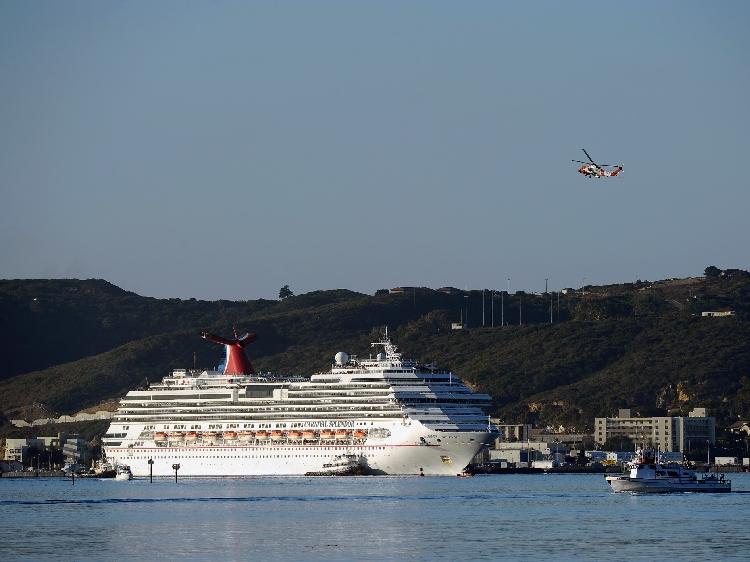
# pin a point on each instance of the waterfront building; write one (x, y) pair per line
(662, 432)
(512, 432)
(17, 449)
(527, 451)
(74, 448)
(726, 461)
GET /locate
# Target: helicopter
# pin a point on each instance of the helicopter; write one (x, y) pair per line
(591, 169)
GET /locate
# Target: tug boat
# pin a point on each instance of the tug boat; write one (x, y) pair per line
(647, 475)
(341, 465)
(123, 472)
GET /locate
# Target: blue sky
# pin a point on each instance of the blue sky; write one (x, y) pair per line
(224, 149)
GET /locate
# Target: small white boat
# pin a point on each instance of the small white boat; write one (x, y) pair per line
(647, 475)
(123, 472)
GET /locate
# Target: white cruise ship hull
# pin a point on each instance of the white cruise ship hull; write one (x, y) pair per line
(449, 457)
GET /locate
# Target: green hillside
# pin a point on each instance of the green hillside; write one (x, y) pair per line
(72, 344)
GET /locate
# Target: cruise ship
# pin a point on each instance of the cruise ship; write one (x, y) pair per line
(395, 416)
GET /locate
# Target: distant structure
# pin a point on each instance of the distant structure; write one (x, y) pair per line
(722, 312)
(665, 433)
(237, 362)
(449, 291)
(401, 290)
(742, 426)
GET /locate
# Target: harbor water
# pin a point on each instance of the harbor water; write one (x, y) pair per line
(492, 517)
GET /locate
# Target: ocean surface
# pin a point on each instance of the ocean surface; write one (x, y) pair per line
(489, 517)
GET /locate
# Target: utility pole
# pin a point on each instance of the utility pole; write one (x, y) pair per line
(502, 302)
(482, 308)
(520, 310)
(467, 311)
(492, 308)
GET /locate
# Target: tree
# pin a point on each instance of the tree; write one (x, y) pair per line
(285, 292)
(712, 271)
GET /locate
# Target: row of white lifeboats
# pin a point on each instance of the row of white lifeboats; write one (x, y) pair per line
(261, 435)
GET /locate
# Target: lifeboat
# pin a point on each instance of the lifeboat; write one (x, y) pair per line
(230, 435)
(360, 433)
(277, 435)
(176, 436)
(160, 436)
(342, 434)
(295, 435)
(262, 434)
(246, 435)
(327, 434)
(309, 434)
(209, 435)
(191, 436)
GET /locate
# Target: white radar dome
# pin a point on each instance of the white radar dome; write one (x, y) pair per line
(381, 356)
(341, 358)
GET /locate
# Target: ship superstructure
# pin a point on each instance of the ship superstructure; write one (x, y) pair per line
(397, 416)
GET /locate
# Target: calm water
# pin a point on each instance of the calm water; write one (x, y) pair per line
(554, 517)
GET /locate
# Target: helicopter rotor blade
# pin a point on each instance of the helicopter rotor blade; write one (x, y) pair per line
(589, 157)
(580, 162)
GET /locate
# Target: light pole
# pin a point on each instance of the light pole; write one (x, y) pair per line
(175, 467)
(467, 310)
(151, 471)
(520, 310)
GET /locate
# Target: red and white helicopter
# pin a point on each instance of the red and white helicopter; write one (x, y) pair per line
(591, 169)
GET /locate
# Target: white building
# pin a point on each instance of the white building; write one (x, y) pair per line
(664, 433)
